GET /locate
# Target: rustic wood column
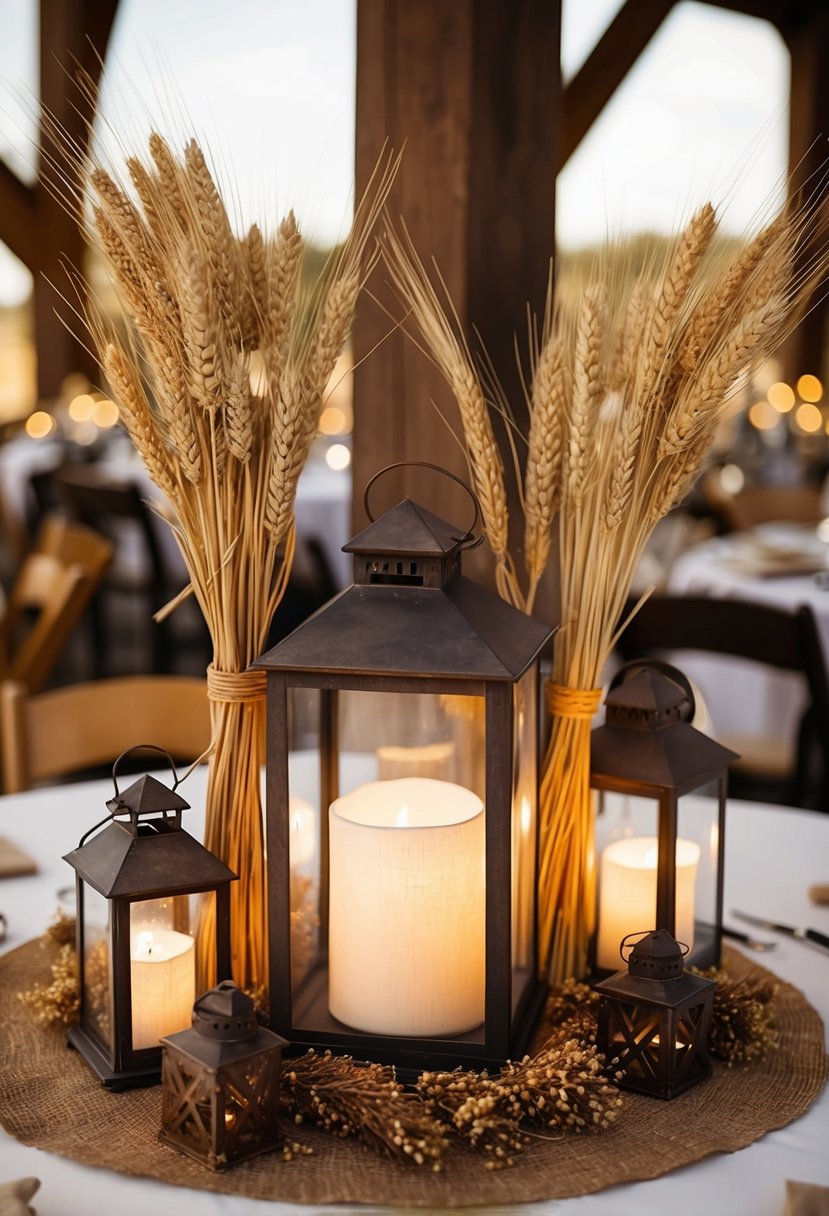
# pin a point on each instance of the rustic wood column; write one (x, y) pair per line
(472, 89)
(807, 37)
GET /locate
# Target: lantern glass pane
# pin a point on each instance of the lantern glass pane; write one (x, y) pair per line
(306, 825)
(407, 919)
(384, 736)
(97, 965)
(163, 963)
(524, 812)
(627, 855)
(698, 822)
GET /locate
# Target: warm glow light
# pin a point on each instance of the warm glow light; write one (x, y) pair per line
(338, 456)
(763, 416)
(809, 388)
(105, 413)
(82, 407)
(40, 425)
(809, 418)
(402, 820)
(732, 478)
(781, 396)
(332, 421)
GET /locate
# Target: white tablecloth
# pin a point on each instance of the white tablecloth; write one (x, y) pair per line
(772, 855)
(742, 698)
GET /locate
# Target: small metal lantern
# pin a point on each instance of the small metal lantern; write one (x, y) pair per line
(220, 1082)
(660, 861)
(654, 1017)
(403, 734)
(144, 887)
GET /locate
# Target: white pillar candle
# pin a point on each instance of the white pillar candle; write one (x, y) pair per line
(430, 760)
(627, 894)
(163, 978)
(407, 908)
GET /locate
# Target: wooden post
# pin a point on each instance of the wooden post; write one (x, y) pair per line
(73, 33)
(471, 88)
(808, 41)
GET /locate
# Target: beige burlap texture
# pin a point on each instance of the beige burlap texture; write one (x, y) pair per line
(49, 1098)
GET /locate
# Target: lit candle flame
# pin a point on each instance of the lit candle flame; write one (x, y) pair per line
(402, 820)
(144, 945)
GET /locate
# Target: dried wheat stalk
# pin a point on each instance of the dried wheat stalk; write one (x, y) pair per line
(620, 425)
(201, 301)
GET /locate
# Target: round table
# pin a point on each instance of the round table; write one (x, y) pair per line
(772, 856)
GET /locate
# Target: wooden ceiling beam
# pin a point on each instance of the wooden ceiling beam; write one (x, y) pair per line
(624, 40)
(17, 207)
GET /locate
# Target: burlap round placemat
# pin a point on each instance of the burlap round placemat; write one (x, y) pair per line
(50, 1099)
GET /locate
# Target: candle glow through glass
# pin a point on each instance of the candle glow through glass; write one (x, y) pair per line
(163, 984)
(407, 908)
(627, 894)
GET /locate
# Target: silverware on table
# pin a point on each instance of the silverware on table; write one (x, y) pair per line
(753, 943)
(810, 935)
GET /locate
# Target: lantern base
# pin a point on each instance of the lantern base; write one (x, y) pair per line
(315, 1028)
(143, 1075)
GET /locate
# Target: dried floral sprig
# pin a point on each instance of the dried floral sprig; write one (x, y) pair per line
(364, 1100)
(563, 1088)
(60, 1001)
(743, 1017)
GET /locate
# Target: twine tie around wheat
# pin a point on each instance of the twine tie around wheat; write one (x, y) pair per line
(244, 687)
(577, 703)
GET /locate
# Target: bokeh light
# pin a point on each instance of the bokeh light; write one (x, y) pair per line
(781, 396)
(40, 425)
(338, 456)
(332, 421)
(105, 413)
(732, 478)
(763, 416)
(82, 407)
(809, 418)
(809, 388)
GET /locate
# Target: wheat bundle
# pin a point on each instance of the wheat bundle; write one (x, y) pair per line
(623, 403)
(204, 307)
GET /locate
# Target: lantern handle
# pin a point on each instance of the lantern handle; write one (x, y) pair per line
(627, 670)
(640, 933)
(143, 747)
(466, 540)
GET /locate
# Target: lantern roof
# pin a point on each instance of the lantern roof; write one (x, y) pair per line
(148, 796)
(408, 529)
(160, 859)
(458, 631)
(645, 745)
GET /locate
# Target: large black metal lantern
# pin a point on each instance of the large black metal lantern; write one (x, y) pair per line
(654, 1018)
(220, 1082)
(403, 736)
(144, 890)
(660, 855)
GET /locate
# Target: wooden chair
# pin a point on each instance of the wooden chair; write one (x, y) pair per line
(770, 770)
(765, 504)
(118, 509)
(68, 730)
(53, 587)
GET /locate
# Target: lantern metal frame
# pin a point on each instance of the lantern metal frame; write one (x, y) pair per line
(653, 1019)
(411, 623)
(142, 853)
(648, 748)
(220, 1082)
